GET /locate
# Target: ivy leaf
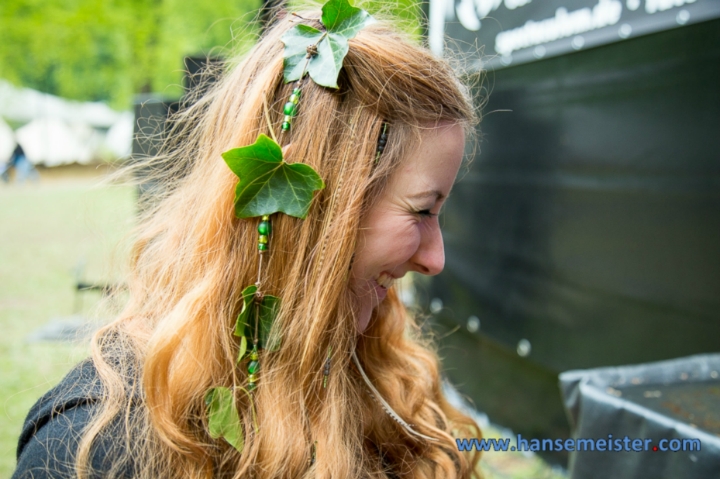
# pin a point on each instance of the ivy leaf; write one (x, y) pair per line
(223, 418)
(341, 18)
(248, 295)
(269, 185)
(296, 42)
(342, 21)
(243, 348)
(245, 324)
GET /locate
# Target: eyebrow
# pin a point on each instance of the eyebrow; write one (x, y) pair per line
(437, 194)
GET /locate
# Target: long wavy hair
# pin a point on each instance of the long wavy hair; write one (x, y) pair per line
(192, 257)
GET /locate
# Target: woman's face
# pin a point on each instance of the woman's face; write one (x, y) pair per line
(401, 232)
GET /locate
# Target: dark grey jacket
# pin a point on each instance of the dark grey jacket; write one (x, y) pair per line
(53, 427)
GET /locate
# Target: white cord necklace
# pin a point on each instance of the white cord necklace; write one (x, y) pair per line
(390, 411)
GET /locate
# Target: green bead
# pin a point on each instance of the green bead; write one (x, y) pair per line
(263, 239)
(294, 99)
(262, 246)
(286, 126)
(251, 386)
(253, 367)
(296, 91)
(253, 355)
(289, 108)
(264, 228)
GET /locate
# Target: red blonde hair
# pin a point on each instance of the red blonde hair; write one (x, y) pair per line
(192, 258)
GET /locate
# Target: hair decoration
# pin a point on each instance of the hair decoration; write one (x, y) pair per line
(320, 53)
(268, 185)
(384, 404)
(382, 141)
(290, 108)
(326, 368)
(313, 451)
(264, 230)
(223, 418)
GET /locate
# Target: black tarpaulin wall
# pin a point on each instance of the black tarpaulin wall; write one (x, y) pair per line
(671, 406)
(587, 225)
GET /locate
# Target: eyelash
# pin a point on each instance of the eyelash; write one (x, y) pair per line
(426, 214)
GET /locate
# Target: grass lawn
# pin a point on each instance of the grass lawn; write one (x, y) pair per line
(47, 230)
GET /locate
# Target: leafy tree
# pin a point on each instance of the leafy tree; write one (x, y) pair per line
(109, 50)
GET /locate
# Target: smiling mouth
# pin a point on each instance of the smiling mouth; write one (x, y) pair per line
(385, 280)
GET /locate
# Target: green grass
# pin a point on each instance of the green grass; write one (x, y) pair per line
(514, 464)
(46, 231)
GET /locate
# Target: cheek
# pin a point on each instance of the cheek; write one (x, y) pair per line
(399, 242)
(388, 244)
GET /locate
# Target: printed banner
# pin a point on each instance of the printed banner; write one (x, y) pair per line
(510, 32)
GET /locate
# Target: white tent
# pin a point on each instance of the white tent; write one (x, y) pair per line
(59, 131)
(53, 142)
(24, 105)
(7, 141)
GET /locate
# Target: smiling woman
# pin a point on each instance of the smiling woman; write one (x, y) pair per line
(263, 337)
(401, 232)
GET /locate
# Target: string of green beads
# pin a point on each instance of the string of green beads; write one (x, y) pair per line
(264, 230)
(253, 367)
(290, 109)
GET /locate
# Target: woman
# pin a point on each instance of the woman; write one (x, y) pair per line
(139, 408)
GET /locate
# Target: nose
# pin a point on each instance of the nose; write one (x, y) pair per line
(429, 259)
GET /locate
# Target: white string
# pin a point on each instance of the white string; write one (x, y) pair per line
(391, 412)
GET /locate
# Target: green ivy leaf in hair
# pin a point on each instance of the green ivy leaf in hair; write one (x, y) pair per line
(269, 185)
(245, 324)
(223, 418)
(341, 18)
(342, 21)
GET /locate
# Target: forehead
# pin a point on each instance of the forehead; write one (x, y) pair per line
(431, 167)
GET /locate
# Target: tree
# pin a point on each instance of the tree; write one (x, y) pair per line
(109, 50)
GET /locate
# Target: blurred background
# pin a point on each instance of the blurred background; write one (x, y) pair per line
(583, 239)
(583, 234)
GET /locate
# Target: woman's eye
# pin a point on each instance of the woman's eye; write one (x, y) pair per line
(426, 213)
